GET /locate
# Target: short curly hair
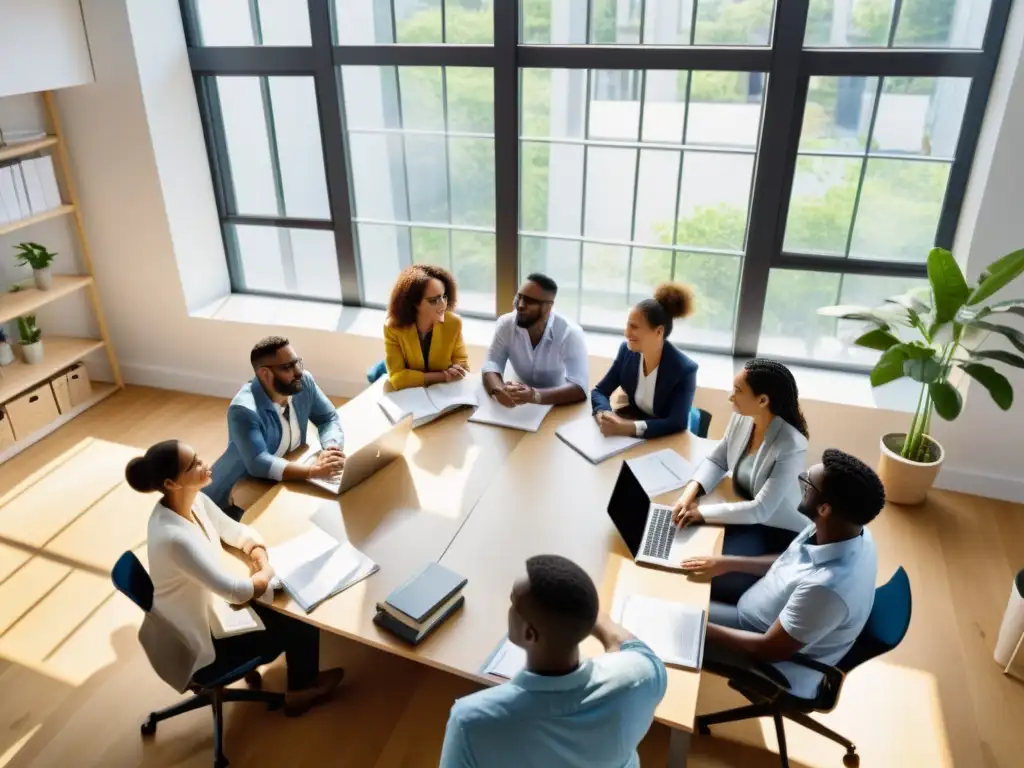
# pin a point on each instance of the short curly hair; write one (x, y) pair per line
(266, 347)
(409, 288)
(851, 487)
(565, 593)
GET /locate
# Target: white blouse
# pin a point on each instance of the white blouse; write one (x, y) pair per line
(644, 395)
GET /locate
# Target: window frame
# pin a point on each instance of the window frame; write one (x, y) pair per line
(789, 67)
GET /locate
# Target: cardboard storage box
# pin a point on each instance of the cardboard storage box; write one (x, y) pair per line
(61, 392)
(6, 433)
(79, 385)
(32, 411)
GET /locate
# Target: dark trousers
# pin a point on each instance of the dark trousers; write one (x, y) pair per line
(747, 541)
(751, 675)
(299, 642)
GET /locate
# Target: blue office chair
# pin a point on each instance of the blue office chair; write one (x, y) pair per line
(209, 685)
(887, 626)
(375, 371)
(700, 422)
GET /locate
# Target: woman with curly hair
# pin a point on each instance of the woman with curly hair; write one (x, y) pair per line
(659, 380)
(422, 335)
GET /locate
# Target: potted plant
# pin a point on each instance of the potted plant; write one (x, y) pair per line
(39, 258)
(949, 321)
(31, 339)
(6, 353)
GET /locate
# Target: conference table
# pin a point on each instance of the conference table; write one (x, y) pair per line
(480, 500)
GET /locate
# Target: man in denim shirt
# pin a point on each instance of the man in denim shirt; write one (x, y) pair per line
(559, 710)
(267, 419)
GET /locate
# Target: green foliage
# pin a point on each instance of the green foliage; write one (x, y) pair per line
(34, 255)
(28, 330)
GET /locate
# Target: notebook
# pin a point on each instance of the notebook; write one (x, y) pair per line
(584, 436)
(425, 404)
(527, 417)
(229, 620)
(674, 631)
(507, 660)
(425, 593)
(403, 631)
(661, 471)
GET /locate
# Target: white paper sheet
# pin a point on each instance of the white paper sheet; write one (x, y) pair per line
(456, 394)
(584, 435)
(674, 631)
(526, 417)
(507, 661)
(661, 471)
(227, 620)
(293, 554)
(414, 400)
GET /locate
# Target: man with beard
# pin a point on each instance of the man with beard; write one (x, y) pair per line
(267, 419)
(547, 351)
(814, 598)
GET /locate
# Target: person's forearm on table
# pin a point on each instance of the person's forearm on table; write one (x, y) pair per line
(739, 640)
(755, 566)
(492, 382)
(563, 395)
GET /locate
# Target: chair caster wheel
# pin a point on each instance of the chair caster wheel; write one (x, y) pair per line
(703, 730)
(851, 759)
(148, 728)
(254, 680)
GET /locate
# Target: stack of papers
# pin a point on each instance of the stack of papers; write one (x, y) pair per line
(661, 471)
(584, 436)
(507, 661)
(425, 404)
(674, 631)
(527, 417)
(229, 620)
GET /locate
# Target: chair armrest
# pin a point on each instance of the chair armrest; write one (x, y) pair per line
(833, 675)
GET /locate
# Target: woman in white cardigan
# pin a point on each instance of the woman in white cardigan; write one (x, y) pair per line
(186, 530)
(765, 448)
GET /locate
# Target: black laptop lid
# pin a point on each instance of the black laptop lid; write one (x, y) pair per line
(628, 508)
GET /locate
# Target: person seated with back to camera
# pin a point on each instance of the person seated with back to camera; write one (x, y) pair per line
(183, 542)
(560, 710)
(813, 599)
(765, 448)
(423, 335)
(267, 419)
(546, 350)
(659, 380)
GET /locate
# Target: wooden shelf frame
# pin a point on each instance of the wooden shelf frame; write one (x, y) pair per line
(25, 148)
(29, 300)
(59, 353)
(53, 213)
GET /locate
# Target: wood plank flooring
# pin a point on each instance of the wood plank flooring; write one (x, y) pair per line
(74, 685)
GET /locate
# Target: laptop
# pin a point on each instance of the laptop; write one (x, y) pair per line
(368, 460)
(646, 528)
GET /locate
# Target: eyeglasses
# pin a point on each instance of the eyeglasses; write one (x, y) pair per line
(529, 301)
(293, 365)
(805, 482)
(437, 300)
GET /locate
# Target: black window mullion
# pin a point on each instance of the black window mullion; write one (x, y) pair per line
(506, 153)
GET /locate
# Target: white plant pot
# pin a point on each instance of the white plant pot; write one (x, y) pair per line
(44, 278)
(33, 353)
(6, 354)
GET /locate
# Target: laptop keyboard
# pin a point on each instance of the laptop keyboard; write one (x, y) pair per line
(660, 535)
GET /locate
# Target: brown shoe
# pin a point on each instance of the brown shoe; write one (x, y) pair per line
(299, 702)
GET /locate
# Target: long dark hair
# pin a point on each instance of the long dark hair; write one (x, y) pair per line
(771, 378)
(149, 472)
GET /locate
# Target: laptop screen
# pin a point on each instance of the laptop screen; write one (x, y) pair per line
(628, 508)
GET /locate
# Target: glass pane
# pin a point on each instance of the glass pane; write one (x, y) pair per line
(472, 180)
(553, 21)
(942, 23)
(245, 133)
(229, 22)
(605, 285)
(297, 130)
(615, 22)
(362, 22)
(836, 23)
(609, 193)
(792, 328)
(430, 246)
(667, 22)
(470, 99)
(726, 22)
(614, 104)
(422, 108)
(300, 262)
(382, 251)
(920, 115)
(553, 102)
(715, 280)
(284, 22)
(821, 204)
(651, 267)
(664, 106)
(725, 108)
(473, 259)
(551, 191)
(838, 113)
(469, 22)
(371, 97)
(713, 199)
(560, 260)
(656, 196)
(899, 209)
(418, 22)
(427, 178)
(378, 183)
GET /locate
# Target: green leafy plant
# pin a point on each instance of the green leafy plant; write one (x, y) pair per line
(952, 320)
(34, 255)
(28, 330)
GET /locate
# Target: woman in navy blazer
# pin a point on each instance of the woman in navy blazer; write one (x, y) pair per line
(658, 379)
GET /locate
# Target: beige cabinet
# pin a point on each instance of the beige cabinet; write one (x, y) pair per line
(79, 386)
(32, 411)
(6, 433)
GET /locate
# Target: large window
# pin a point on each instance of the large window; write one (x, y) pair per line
(778, 156)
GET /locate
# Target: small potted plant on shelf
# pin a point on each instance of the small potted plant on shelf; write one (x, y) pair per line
(950, 322)
(39, 258)
(31, 339)
(6, 353)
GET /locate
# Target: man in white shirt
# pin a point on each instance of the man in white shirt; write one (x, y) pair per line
(814, 598)
(546, 350)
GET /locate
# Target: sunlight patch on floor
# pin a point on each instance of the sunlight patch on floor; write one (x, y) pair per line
(13, 750)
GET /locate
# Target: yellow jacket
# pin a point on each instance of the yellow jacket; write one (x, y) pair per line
(404, 357)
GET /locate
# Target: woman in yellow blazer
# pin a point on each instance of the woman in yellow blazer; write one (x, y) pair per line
(422, 336)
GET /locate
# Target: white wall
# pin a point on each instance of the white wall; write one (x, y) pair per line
(140, 160)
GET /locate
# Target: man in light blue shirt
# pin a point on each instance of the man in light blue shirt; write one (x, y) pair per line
(547, 351)
(815, 597)
(559, 710)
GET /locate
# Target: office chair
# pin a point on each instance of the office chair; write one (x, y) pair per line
(886, 627)
(375, 371)
(209, 685)
(700, 422)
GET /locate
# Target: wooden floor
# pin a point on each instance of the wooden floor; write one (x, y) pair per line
(74, 685)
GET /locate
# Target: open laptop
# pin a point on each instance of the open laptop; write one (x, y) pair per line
(368, 460)
(646, 528)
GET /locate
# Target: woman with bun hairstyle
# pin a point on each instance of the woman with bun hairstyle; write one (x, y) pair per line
(658, 379)
(185, 534)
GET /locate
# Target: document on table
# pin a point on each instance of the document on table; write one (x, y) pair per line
(674, 631)
(228, 620)
(507, 661)
(527, 417)
(428, 403)
(661, 471)
(584, 436)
